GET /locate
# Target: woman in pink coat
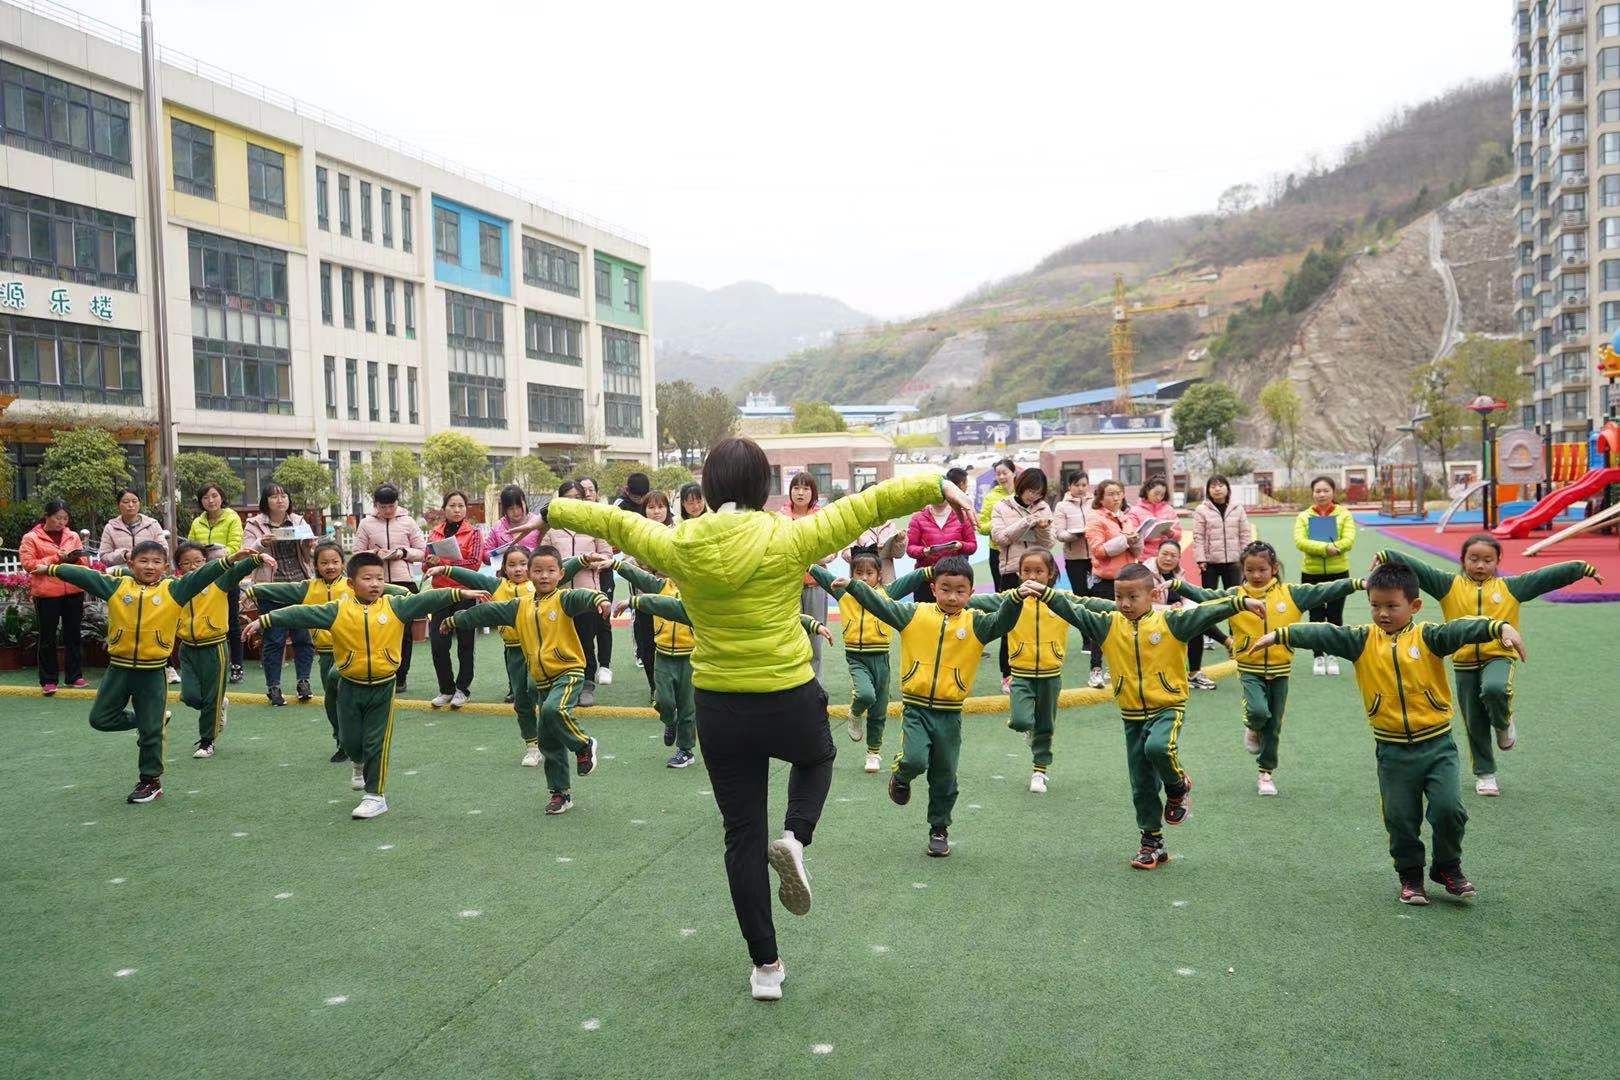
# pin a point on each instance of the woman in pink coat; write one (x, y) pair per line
(1155, 506)
(940, 530)
(56, 603)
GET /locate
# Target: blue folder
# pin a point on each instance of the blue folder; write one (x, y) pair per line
(1323, 528)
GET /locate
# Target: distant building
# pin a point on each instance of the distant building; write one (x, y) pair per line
(760, 415)
(843, 459)
(1147, 395)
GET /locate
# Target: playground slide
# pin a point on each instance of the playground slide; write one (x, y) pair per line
(1518, 527)
(1458, 503)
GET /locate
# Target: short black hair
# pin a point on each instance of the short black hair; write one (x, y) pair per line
(864, 560)
(1042, 554)
(1152, 482)
(547, 550)
(1259, 549)
(269, 490)
(736, 471)
(327, 544)
(953, 566)
(1328, 480)
(1134, 572)
(514, 549)
(957, 476)
(637, 483)
(184, 546)
(385, 494)
(118, 498)
(1394, 576)
(55, 506)
(804, 479)
(1481, 538)
(512, 495)
(1007, 461)
(690, 491)
(569, 485)
(1073, 476)
(211, 486)
(146, 547)
(1214, 479)
(360, 560)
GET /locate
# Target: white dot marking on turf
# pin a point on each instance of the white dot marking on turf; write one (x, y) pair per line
(468, 913)
(610, 757)
(564, 859)
(480, 748)
(69, 787)
(1178, 903)
(385, 847)
(254, 738)
(117, 880)
(48, 731)
(333, 802)
(123, 973)
(704, 791)
(638, 821)
(285, 765)
(592, 1024)
(879, 950)
(997, 776)
(975, 806)
(411, 772)
(474, 813)
(919, 884)
(238, 835)
(687, 931)
(86, 823)
(431, 723)
(1185, 971)
(195, 791)
(821, 1048)
(338, 1000)
(283, 896)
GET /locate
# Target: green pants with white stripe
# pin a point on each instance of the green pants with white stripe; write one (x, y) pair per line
(1152, 758)
(202, 685)
(1410, 776)
(1034, 709)
(869, 683)
(148, 690)
(1264, 701)
(1485, 699)
(517, 677)
(560, 735)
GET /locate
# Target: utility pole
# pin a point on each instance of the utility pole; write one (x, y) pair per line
(152, 97)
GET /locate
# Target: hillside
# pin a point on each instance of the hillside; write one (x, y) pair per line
(714, 337)
(1388, 184)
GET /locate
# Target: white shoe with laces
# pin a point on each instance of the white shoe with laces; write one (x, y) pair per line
(1095, 681)
(873, 762)
(531, 758)
(765, 983)
(857, 727)
(439, 701)
(604, 676)
(1037, 783)
(172, 675)
(1487, 786)
(1320, 666)
(1266, 785)
(357, 776)
(458, 699)
(787, 859)
(1333, 665)
(1507, 738)
(1251, 740)
(370, 807)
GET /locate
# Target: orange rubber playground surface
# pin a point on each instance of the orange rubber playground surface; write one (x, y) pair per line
(1600, 549)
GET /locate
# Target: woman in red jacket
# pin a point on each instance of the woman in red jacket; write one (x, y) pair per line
(940, 530)
(56, 602)
(455, 686)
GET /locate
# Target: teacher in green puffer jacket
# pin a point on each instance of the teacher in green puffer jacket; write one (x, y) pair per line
(740, 572)
(1324, 533)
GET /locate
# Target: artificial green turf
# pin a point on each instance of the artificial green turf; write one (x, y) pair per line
(1271, 946)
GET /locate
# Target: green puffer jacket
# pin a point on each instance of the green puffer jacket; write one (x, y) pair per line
(1316, 558)
(740, 574)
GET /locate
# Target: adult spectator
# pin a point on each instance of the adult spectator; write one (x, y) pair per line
(56, 603)
(455, 683)
(804, 499)
(1006, 474)
(1154, 505)
(587, 624)
(938, 530)
(1221, 530)
(1113, 542)
(294, 558)
(218, 528)
(1069, 519)
(1324, 533)
(883, 540)
(514, 512)
(396, 539)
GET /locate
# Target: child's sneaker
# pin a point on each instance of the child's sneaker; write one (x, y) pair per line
(857, 727)
(939, 843)
(305, 692)
(899, 791)
(149, 789)
(561, 802)
(874, 762)
(1251, 740)
(1319, 666)
(370, 806)
(1451, 877)
(171, 676)
(669, 734)
(680, 759)
(786, 857)
(48, 689)
(531, 756)
(1200, 681)
(765, 983)
(204, 750)
(1506, 738)
(1037, 783)
(585, 760)
(1412, 888)
(357, 776)
(237, 674)
(1487, 786)
(274, 695)
(439, 701)
(1095, 679)
(604, 675)
(338, 756)
(1267, 785)
(1006, 684)
(81, 683)
(458, 699)
(587, 695)
(1333, 665)
(1151, 853)
(1177, 807)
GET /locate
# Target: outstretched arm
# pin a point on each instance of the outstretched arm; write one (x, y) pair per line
(579, 601)
(96, 584)
(1309, 596)
(812, 627)
(1530, 585)
(1431, 579)
(661, 607)
(907, 583)
(897, 613)
(639, 579)
(989, 627)
(1446, 638)
(428, 601)
(472, 579)
(651, 544)
(1345, 642)
(489, 613)
(1188, 623)
(278, 592)
(827, 581)
(838, 525)
(298, 617)
(1198, 595)
(187, 587)
(1071, 610)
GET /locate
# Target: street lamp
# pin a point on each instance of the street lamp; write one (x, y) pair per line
(1485, 405)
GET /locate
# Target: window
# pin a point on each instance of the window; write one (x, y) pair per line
(193, 158)
(821, 473)
(410, 395)
(1130, 470)
(1608, 107)
(860, 476)
(348, 298)
(776, 479)
(393, 393)
(369, 285)
(409, 289)
(604, 283)
(556, 409)
(388, 306)
(323, 220)
(1609, 233)
(621, 382)
(326, 293)
(351, 383)
(365, 210)
(49, 360)
(63, 120)
(446, 235)
(240, 336)
(51, 238)
(1609, 190)
(550, 267)
(331, 387)
(1608, 65)
(632, 289)
(1608, 319)
(1609, 275)
(1608, 20)
(387, 218)
(406, 232)
(489, 248)
(373, 404)
(477, 355)
(554, 338)
(1608, 151)
(345, 221)
(1574, 403)
(255, 467)
(267, 181)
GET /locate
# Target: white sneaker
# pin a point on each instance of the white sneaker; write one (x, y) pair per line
(1487, 786)
(857, 727)
(873, 763)
(765, 983)
(203, 751)
(357, 776)
(1251, 740)
(1333, 665)
(172, 675)
(787, 859)
(1267, 785)
(1508, 737)
(1096, 679)
(370, 807)
(1320, 666)
(458, 699)
(439, 701)
(531, 758)
(604, 676)
(1006, 684)
(1037, 783)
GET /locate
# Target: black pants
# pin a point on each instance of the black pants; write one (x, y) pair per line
(642, 628)
(461, 678)
(1105, 590)
(1079, 572)
(604, 627)
(234, 617)
(1003, 583)
(68, 611)
(1221, 575)
(740, 734)
(405, 646)
(1331, 612)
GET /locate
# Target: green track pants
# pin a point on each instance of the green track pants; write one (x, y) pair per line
(1153, 762)
(1485, 697)
(1409, 774)
(869, 683)
(1034, 709)
(560, 734)
(366, 728)
(148, 691)
(203, 669)
(677, 702)
(931, 742)
(517, 677)
(329, 691)
(1264, 701)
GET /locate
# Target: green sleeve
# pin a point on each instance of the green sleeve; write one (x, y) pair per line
(1445, 638)
(489, 613)
(1309, 596)
(840, 524)
(187, 587)
(988, 628)
(810, 625)
(428, 601)
(1188, 623)
(661, 607)
(1530, 585)
(1073, 611)
(897, 613)
(303, 616)
(907, 583)
(391, 589)
(1198, 595)
(235, 572)
(825, 579)
(639, 579)
(1302, 537)
(579, 601)
(990, 602)
(1342, 641)
(571, 566)
(651, 544)
(472, 579)
(279, 592)
(95, 583)
(1431, 579)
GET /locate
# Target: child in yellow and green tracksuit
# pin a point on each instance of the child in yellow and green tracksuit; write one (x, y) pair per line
(144, 609)
(940, 646)
(1264, 675)
(368, 627)
(866, 647)
(1485, 672)
(1401, 670)
(1146, 649)
(329, 584)
(544, 621)
(205, 622)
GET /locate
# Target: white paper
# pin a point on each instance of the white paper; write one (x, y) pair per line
(446, 549)
(1156, 528)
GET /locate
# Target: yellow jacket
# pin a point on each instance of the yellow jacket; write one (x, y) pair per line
(545, 628)
(143, 621)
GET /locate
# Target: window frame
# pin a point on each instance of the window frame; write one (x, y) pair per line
(267, 180)
(365, 210)
(330, 385)
(446, 235)
(323, 215)
(491, 241)
(186, 142)
(345, 211)
(386, 201)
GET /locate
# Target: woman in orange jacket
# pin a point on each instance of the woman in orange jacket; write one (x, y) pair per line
(1113, 542)
(56, 603)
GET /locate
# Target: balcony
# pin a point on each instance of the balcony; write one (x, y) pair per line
(1571, 61)
(1570, 339)
(1569, 140)
(1572, 257)
(1570, 20)
(1571, 219)
(1570, 181)
(1567, 99)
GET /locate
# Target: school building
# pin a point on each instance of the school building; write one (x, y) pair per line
(846, 460)
(329, 289)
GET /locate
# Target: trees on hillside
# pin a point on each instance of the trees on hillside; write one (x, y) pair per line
(814, 417)
(1280, 403)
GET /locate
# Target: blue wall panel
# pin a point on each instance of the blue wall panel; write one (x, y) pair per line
(469, 273)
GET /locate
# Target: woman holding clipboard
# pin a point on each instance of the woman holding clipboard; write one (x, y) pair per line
(1324, 533)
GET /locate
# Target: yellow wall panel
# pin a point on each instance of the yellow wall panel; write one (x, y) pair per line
(230, 208)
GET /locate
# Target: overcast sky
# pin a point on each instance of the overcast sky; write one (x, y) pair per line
(892, 154)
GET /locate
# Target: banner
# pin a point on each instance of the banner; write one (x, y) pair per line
(982, 432)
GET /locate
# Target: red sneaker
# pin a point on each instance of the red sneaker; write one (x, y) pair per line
(80, 683)
(1412, 888)
(1452, 878)
(585, 760)
(146, 791)
(1150, 854)
(48, 689)
(899, 791)
(561, 802)
(1177, 807)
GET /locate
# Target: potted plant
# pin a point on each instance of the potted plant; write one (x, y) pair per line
(18, 624)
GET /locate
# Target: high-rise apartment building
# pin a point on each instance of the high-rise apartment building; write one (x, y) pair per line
(328, 290)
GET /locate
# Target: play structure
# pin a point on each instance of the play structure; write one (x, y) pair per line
(1602, 469)
(1401, 496)
(1476, 488)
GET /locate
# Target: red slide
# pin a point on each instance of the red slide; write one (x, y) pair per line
(1517, 528)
